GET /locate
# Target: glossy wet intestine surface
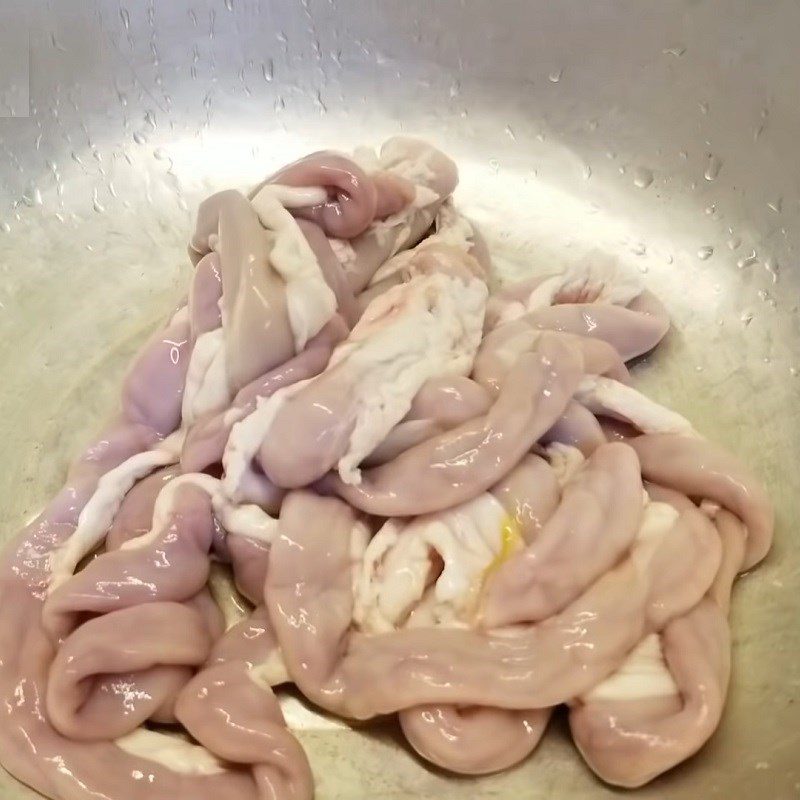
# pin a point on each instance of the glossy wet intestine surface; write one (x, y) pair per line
(430, 497)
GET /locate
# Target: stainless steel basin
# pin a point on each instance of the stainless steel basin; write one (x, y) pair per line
(663, 134)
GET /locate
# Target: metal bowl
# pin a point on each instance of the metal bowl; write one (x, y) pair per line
(664, 135)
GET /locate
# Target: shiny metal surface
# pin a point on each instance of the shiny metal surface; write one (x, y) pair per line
(664, 135)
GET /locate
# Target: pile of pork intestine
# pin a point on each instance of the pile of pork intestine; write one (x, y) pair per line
(439, 503)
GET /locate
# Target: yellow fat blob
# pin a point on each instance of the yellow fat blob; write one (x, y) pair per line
(511, 541)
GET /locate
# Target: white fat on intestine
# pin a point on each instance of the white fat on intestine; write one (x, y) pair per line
(207, 386)
(247, 520)
(451, 228)
(344, 251)
(394, 158)
(235, 609)
(417, 171)
(606, 396)
(97, 515)
(400, 222)
(294, 196)
(310, 302)
(206, 389)
(272, 671)
(171, 751)
(231, 603)
(596, 283)
(428, 327)
(644, 673)
(246, 436)
(564, 459)
(396, 585)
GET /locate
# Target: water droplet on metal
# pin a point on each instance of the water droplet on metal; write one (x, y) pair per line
(642, 177)
(111, 190)
(268, 70)
(455, 89)
(711, 210)
(705, 252)
(587, 172)
(698, 368)
(772, 267)
(212, 16)
(676, 50)
(639, 249)
(229, 5)
(668, 258)
(592, 125)
(748, 261)
(734, 242)
(494, 164)
(33, 197)
(125, 17)
(510, 133)
(96, 204)
(5, 227)
(776, 205)
(555, 75)
(747, 317)
(161, 154)
(192, 17)
(280, 103)
(703, 108)
(713, 166)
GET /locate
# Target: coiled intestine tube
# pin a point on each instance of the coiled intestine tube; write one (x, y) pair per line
(672, 714)
(431, 501)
